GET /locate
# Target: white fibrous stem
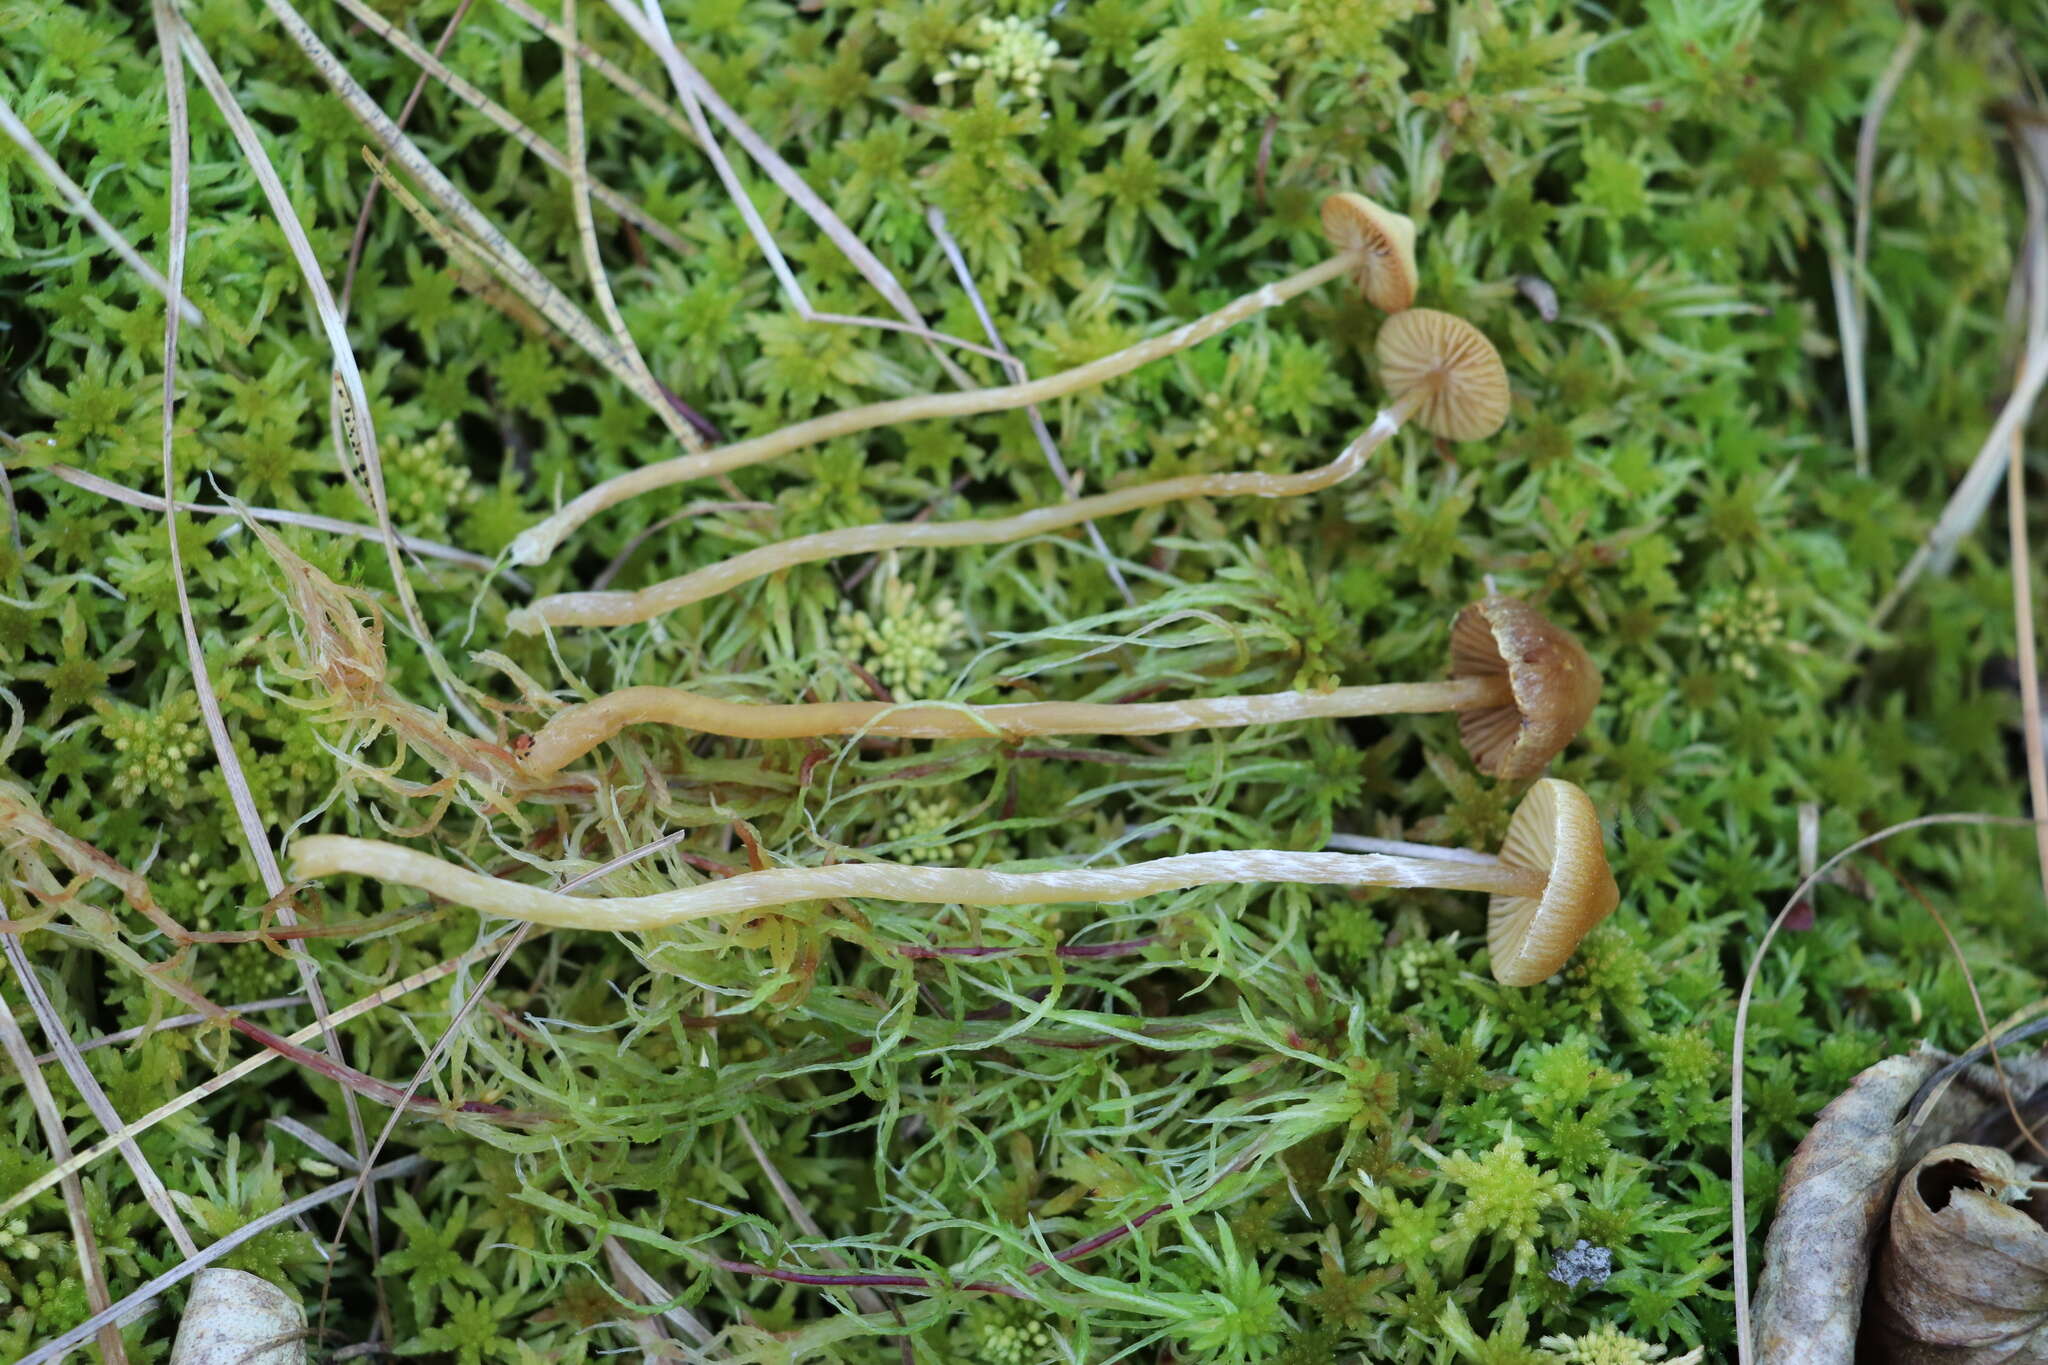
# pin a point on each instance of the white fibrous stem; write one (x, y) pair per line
(626, 608)
(537, 542)
(577, 730)
(754, 892)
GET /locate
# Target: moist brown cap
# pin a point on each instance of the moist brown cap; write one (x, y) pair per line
(1387, 275)
(1464, 387)
(1555, 685)
(1555, 831)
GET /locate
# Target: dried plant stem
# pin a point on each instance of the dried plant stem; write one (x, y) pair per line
(178, 1021)
(1745, 1346)
(579, 729)
(75, 199)
(412, 99)
(108, 1319)
(698, 97)
(1014, 368)
(548, 154)
(625, 608)
(537, 542)
(88, 1087)
(67, 1167)
(171, 29)
(86, 1246)
(1857, 338)
(751, 892)
(586, 237)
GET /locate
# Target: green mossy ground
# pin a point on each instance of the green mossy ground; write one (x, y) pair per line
(1376, 1151)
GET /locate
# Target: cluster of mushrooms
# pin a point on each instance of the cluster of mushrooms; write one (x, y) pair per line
(1521, 686)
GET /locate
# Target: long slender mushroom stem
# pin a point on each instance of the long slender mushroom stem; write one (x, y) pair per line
(537, 542)
(1365, 843)
(752, 892)
(579, 729)
(625, 608)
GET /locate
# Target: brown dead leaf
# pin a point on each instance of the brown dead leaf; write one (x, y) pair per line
(1963, 1278)
(1836, 1195)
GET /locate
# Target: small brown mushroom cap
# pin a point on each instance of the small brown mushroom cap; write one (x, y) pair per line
(1463, 386)
(1387, 276)
(1555, 685)
(1555, 831)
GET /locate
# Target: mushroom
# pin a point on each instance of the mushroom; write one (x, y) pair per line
(1454, 364)
(1375, 247)
(1530, 934)
(1522, 687)
(1383, 240)
(1449, 367)
(1550, 884)
(1552, 685)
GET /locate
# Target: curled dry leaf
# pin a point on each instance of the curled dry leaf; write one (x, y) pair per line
(1831, 1201)
(1963, 1278)
(235, 1318)
(1836, 1194)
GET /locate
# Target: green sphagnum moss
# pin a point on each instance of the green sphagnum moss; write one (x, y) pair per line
(1345, 1142)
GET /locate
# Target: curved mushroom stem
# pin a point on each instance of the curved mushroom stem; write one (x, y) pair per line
(577, 730)
(751, 892)
(537, 542)
(625, 608)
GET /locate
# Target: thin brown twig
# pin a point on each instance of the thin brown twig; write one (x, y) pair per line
(1976, 999)
(419, 86)
(2021, 555)
(129, 1035)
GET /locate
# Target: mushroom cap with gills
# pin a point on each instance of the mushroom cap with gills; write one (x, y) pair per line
(1555, 685)
(1463, 387)
(1387, 275)
(1555, 831)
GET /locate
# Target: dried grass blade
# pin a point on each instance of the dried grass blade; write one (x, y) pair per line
(96, 1100)
(131, 1307)
(112, 1349)
(2034, 176)
(412, 99)
(170, 31)
(487, 242)
(75, 199)
(1866, 171)
(697, 96)
(649, 1290)
(586, 237)
(312, 521)
(129, 1035)
(508, 123)
(350, 377)
(596, 61)
(868, 1299)
(65, 1168)
(1018, 375)
(1973, 493)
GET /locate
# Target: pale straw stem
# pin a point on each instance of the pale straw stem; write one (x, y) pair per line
(754, 892)
(537, 542)
(579, 729)
(626, 608)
